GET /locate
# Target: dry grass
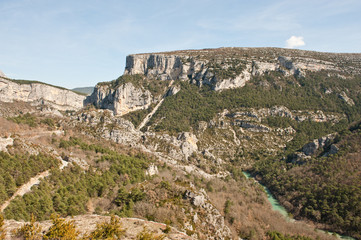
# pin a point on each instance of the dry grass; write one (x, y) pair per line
(251, 214)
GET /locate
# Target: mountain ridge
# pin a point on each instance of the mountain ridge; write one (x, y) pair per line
(39, 93)
(181, 119)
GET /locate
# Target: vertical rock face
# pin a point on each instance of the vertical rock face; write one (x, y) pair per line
(204, 67)
(163, 66)
(121, 100)
(38, 94)
(220, 72)
(174, 67)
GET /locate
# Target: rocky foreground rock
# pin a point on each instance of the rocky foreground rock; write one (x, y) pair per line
(87, 223)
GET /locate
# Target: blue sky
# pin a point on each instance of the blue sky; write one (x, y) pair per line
(79, 43)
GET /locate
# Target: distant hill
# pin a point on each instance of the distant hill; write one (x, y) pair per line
(39, 93)
(85, 90)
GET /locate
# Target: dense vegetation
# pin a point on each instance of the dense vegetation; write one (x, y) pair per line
(2, 230)
(27, 119)
(15, 170)
(274, 235)
(138, 116)
(67, 192)
(193, 104)
(325, 189)
(108, 230)
(236, 66)
(305, 130)
(32, 120)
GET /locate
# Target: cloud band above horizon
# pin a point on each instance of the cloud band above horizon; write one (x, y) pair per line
(294, 41)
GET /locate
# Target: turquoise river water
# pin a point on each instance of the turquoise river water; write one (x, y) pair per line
(276, 206)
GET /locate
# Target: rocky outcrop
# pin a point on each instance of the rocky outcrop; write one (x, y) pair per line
(251, 126)
(219, 72)
(189, 143)
(311, 148)
(173, 90)
(323, 144)
(4, 142)
(205, 67)
(256, 115)
(152, 170)
(106, 125)
(238, 81)
(121, 100)
(85, 224)
(210, 215)
(346, 99)
(196, 200)
(174, 67)
(166, 67)
(40, 94)
(333, 150)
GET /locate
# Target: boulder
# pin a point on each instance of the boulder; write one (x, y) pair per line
(152, 170)
(312, 147)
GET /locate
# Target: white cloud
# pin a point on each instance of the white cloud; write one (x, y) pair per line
(294, 41)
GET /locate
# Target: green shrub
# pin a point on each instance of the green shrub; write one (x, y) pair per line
(30, 231)
(111, 230)
(27, 119)
(2, 230)
(147, 235)
(61, 229)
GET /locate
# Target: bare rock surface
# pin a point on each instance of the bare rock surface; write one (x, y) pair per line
(4, 142)
(87, 223)
(200, 66)
(210, 214)
(121, 100)
(347, 99)
(312, 147)
(40, 94)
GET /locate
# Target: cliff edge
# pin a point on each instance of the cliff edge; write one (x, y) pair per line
(38, 93)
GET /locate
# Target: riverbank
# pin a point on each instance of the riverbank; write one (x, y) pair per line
(276, 206)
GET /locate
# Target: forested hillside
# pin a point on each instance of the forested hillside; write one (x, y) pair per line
(168, 142)
(325, 189)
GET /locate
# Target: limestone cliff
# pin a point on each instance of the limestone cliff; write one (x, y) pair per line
(39, 94)
(221, 69)
(229, 67)
(121, 99)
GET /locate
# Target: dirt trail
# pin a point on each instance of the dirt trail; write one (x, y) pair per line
(31, 136)
(150, 115)
(27, 186)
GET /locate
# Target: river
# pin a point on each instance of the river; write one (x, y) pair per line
(276, 206)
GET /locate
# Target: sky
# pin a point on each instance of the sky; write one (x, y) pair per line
(80, 43)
